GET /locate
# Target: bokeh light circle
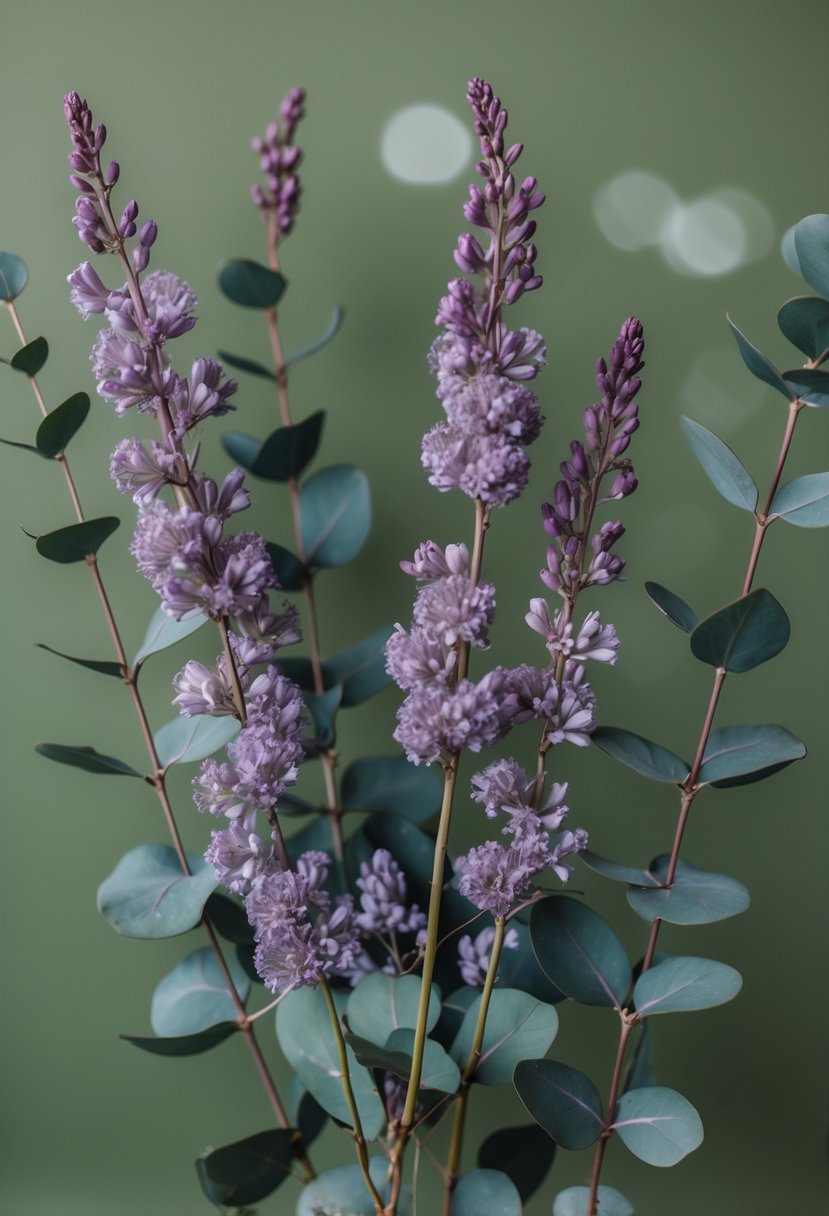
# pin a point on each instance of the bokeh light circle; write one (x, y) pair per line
(425, 144)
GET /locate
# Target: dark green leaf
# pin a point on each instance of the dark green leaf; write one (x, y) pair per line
(308, 1115)
(248, 1170)
(184, 1044)
(27, 447)
(562, 1100)
(658, 1125)
(195, 997)
(390, 783)
(164, 630)
(674, 608)
(579, 951)
(810, 385)
(289, 569)
(518, 1027)
(651, 760)
(696, 897)
(342, 1192)
(335, 506)
(744, 634)
(300, 670)
(753, 751)
(31, 357)
(681, 985)
(78, 541)
(811, 242)
(758, 364)
(438, 1070)
(337, 318)
(13, 276)
(614, 870)
(524, 1154)
(241, 364)
(104, 666)
(804, 501)
(86, 758)
(57, 428)
(486, 1193)
(724, 468)
(361, 669)
(241, 448)
(289, 450)
(381, 1004)
(185, 740)
(805, 322)
(250, 283)
(323, 710)
(229, 919)
(148, 895)
(573, 1202)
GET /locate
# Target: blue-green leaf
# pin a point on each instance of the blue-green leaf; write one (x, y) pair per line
(744, 634)
(381, 1004)
(164, 630)
(248, 1170)
(229, 919)
(640, 1071)
(390, 783)
(250, 283)
(811, 242)
(185, 740)
(805, 322)
(148, 895)
(614, 870)
(241, 448)
(809, 384)
(285, 452)
(105, 667)
(337, 318)
(323, 708)
(361, 669)
(658, 1125)
(804, 501)
(86, 758)
(183, 1044)
(58, 427)
(486, 1193)
(289, 569)
(78, 541)
(195, 997)
(562, 1100)
(31, 357)
(438, 1071)
(695, 898)
(674, 608)
(758, 364)
(748, 752)
(13, 276)
(518, 1027)
(241, 364)
(579, 951)
(308, 1116)
(723, 466)
(649, 759)
(573, 1202)
(680, 985)
(335, 506)
(524, 1154)
(342, 1192)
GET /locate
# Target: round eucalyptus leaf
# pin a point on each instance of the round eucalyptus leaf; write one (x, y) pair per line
(524, 1153)
(674, 608)
(695, 898)
(518, 1027)
(337, 318)
(381, 1004)
(185, 740)
(811, 385)
(390, 783)
(573, 1202)
(658, 1125)
(288, 450)
(758, 364)
(649, 759)
(439, 1070)
(249, 1169)
(31, 357)
(229, 919)
(805, 322)
(724, 467)
(148, 895)
(183, 1044)
(105, 667)
(58, 427)
(86, 758)
(579, 951)
(744, 634)
(804, 501)
(335, 508)
(811, 241)
(289, 569)
(77, 542)
(748, 751)
(562, 1100)
(194, 996)
(240, 364)
(486, 1193)
(13, 276)
(681, 985)
(164, 630)
(250, 283)
(342, 1192)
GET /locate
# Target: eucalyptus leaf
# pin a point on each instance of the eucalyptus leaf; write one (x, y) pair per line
(758, 364)
(308, 1116)
(289, 450)
(381, 1004)
(229, 919)
(579, 951)
(335, 508)
(13, 276)
(743, 634)
(323, 708)
(249, 1169)
(649, 759)
(411, 847)
(486, 1193)
(241, 364)
(518, 1027)
(289, 569)
(811, 242)
(438, 1071)
(695, 898)
(789, 252)
(104, 667)
(805, 322)
(361, 669)
(658, 1125)
(524, 1154)
(337, 318)
(811, 385)
(614, 870)
(26, 447)
(77, 542)
(183, 1044)
(242, 448)
(164, 630)
(574, 1200)
(31, 357)
(342, 1192)
(750, 752)
(640, 1071)
(148, 895)
(723, 466)
(250, 283)
(804, 501)
(195, 997)
(185, 740)
(86, 758)
(390, 783)
(562, 1100)
(681, 985)
(58, 427)
(674, 608)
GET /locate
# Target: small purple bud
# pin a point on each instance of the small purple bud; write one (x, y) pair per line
(149, 232)
(113, 172)
(100, 136)
(140, 258)
(514, 291)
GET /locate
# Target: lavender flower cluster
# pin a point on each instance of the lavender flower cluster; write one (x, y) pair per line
(279, 159)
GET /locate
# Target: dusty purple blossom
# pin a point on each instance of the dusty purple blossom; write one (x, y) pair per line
(430, 561)
(593, 640)
(474, 954)
(383, 897)
(567, 706)
(88, 294)
(435, 719)
(141, 472)
(492, 468)
(503, 785)
(451, 610)
(416, 658)
(238, 855)
(271, 629)
(279, 160)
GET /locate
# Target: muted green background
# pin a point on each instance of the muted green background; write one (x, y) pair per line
(705, 95)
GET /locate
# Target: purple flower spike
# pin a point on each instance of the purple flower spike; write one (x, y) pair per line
(279, 160)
